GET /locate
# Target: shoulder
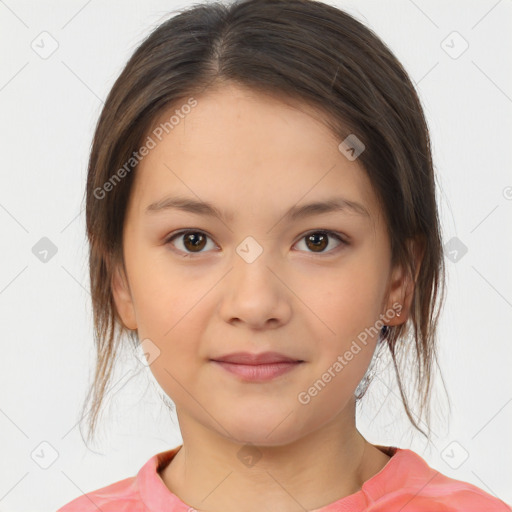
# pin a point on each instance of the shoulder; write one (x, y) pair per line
(118, 497)
(414, 485)
(134, 494)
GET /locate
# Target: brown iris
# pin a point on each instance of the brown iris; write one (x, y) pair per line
(194, 240)
(319, 240)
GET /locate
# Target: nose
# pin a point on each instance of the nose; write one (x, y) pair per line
(255, 293)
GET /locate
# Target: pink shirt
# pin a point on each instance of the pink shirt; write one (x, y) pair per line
(406, 484)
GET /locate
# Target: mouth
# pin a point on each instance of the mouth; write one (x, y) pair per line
(251, 367)
(247, 358)
(258, 372)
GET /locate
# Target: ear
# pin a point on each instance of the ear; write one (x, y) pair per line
(123, 298)
(401, 288)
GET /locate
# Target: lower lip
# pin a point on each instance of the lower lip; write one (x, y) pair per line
(259, 372)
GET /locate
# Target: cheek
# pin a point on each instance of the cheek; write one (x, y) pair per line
(342, 358)
(175, 327)
(346, 300)
(347, 303)
(165, 295)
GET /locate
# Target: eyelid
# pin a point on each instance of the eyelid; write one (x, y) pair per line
(175, 234)
(343, 239)
(340, 237)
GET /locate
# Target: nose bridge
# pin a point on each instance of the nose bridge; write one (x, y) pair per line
(250, 250)
(251, 263)
(253, 293)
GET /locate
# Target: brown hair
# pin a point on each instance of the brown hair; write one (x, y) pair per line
(300, 49)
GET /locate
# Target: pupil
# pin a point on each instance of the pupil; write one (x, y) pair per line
(193, 238)
(314, 236)
(196, 240)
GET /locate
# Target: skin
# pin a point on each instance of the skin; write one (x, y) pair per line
(257, 156)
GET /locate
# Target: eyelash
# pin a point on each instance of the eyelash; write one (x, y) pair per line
(333, 234)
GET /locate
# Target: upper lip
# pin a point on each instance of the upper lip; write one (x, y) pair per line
(255, 359)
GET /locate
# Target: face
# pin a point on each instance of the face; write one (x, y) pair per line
(252, 277)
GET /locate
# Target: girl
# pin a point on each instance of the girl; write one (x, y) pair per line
(262, 220)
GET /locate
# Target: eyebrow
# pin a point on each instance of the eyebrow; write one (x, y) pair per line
(186, 204)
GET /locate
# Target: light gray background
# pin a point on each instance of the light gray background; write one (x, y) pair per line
(49, 107)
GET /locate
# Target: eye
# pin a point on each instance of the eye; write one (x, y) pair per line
(190, 240)
(319, 240)
(194, 241)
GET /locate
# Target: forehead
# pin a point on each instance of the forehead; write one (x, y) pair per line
(244, 150)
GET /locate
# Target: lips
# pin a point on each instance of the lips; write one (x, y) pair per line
(247, 358)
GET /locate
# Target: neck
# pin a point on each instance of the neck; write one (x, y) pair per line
(213, 473)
